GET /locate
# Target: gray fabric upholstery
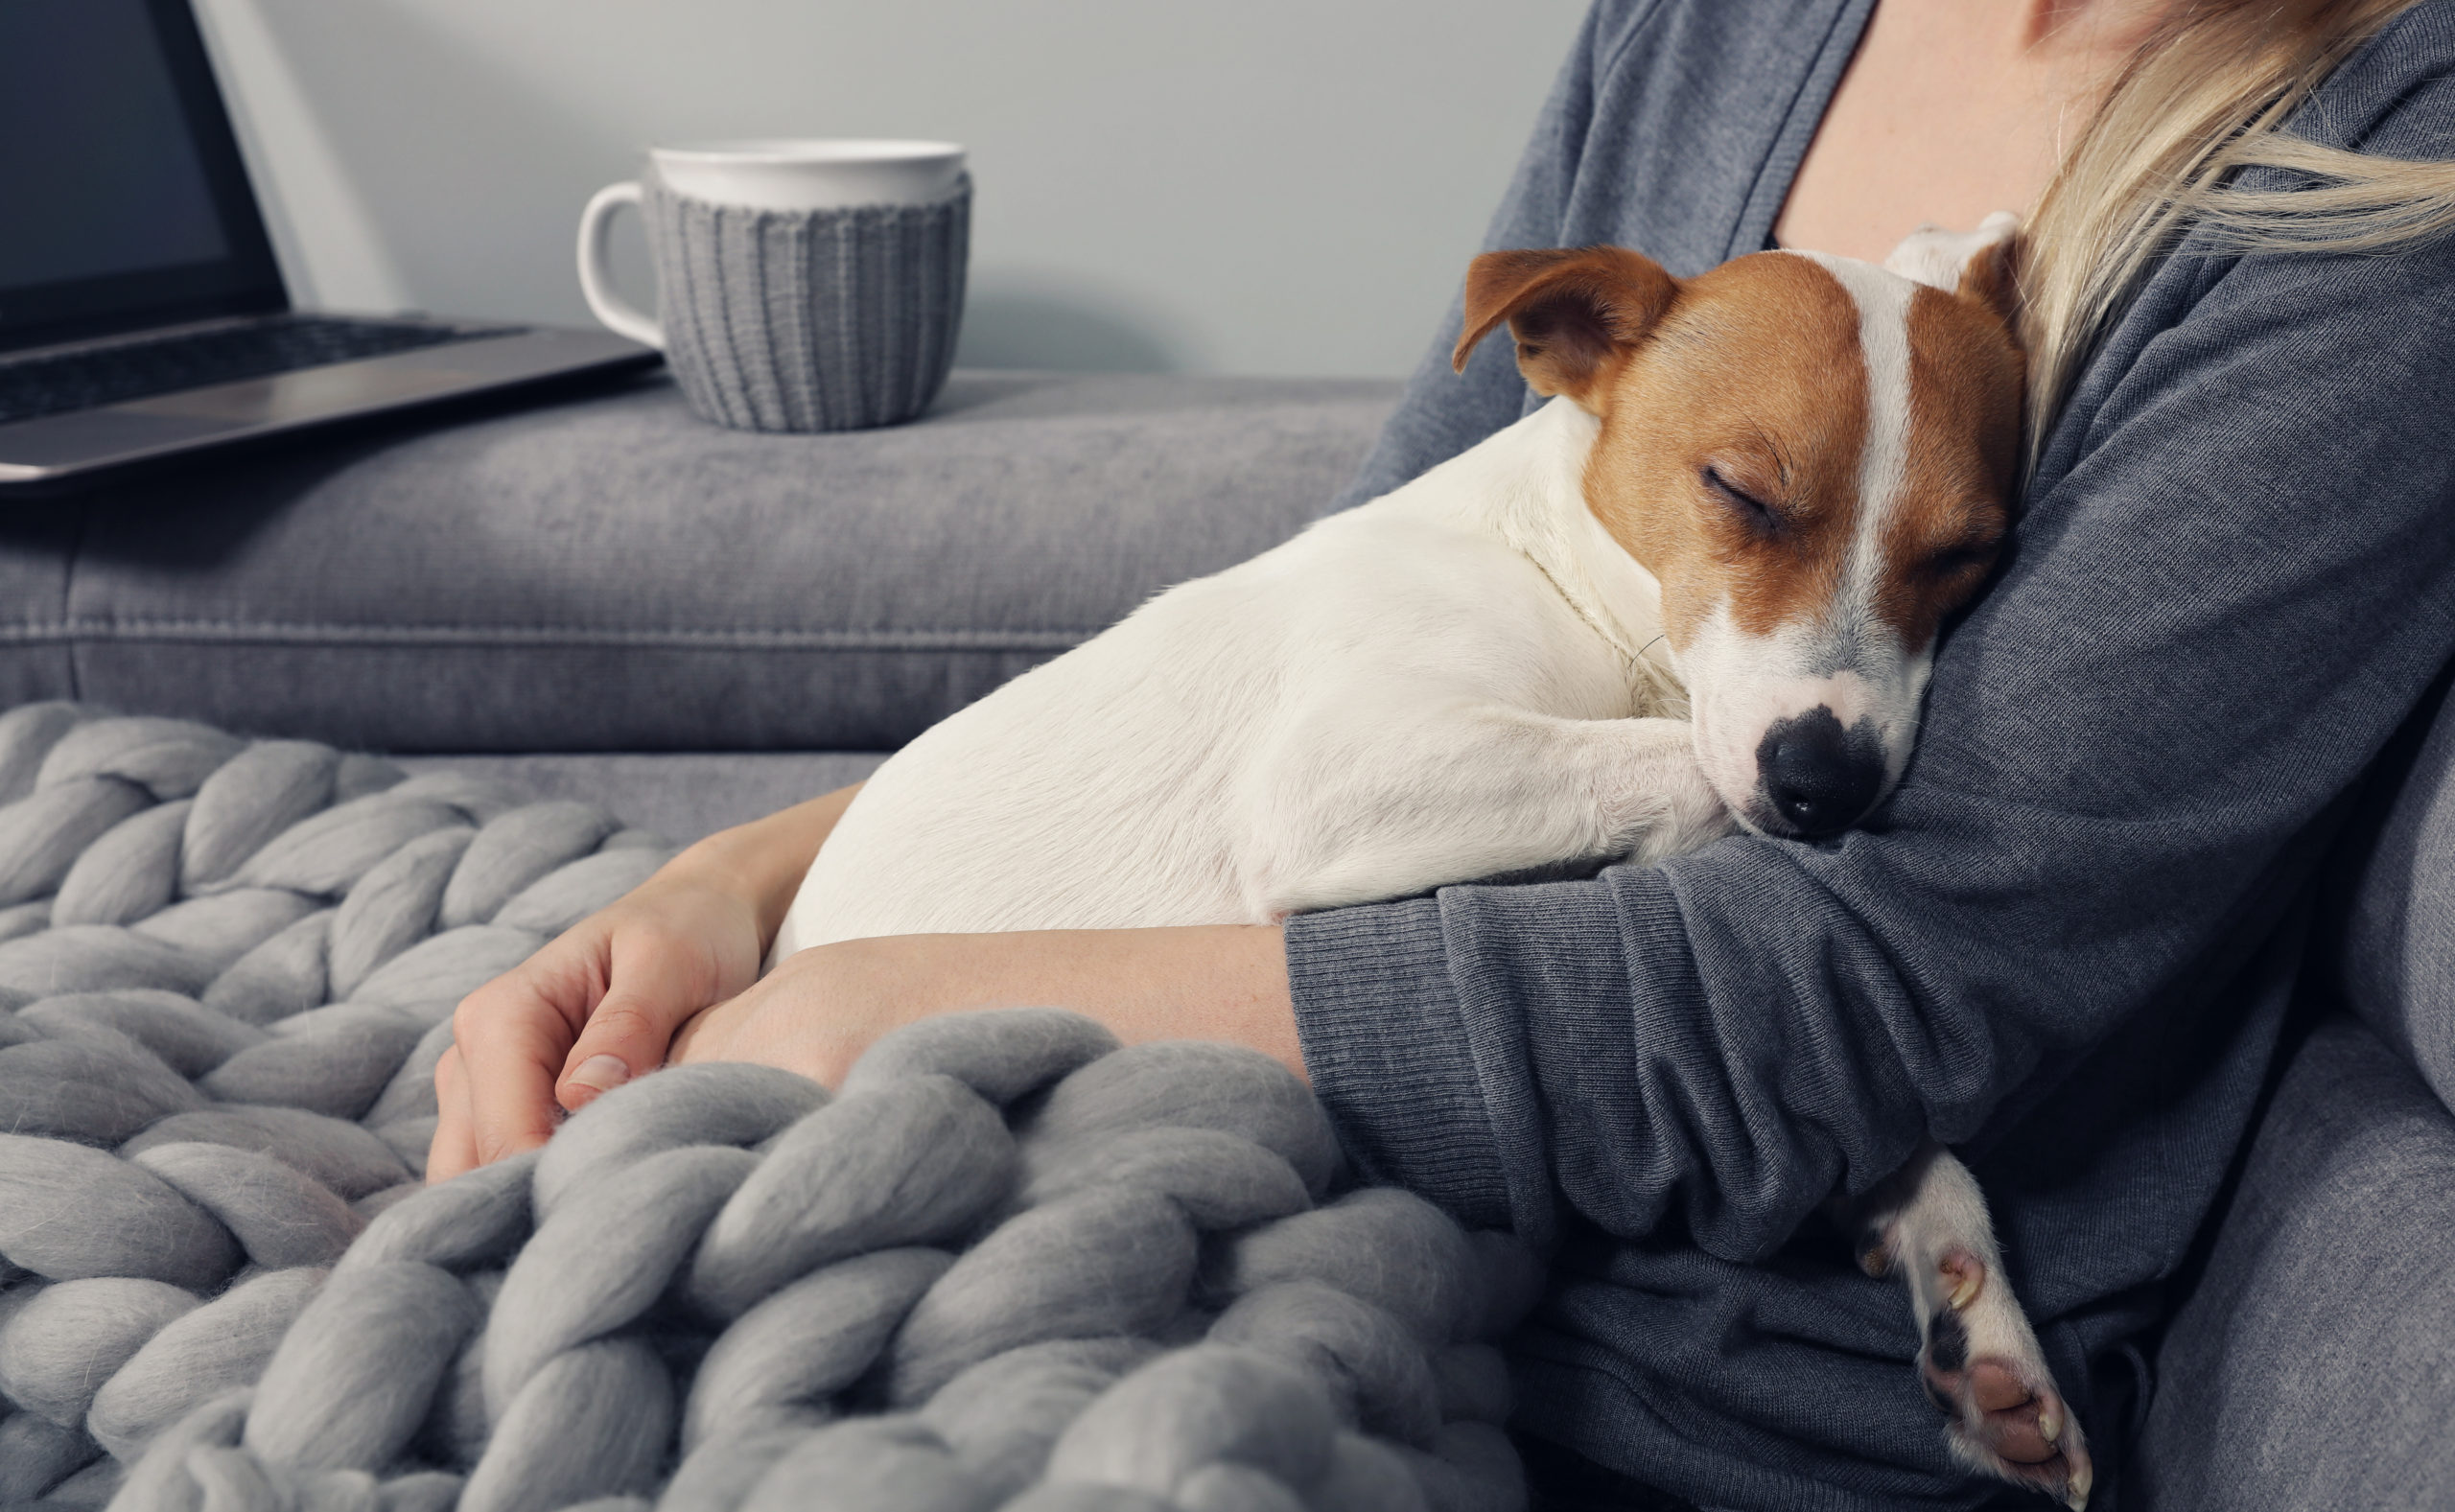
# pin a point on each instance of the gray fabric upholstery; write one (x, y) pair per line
(2310, 1369)
(679, 795)
(822, 320)
(611, 574)
(2399, 960)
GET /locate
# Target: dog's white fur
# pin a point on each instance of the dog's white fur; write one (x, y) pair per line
(1464, 678)
(1461, 679)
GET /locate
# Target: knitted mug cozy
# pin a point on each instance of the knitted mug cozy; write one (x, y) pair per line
(810, 320)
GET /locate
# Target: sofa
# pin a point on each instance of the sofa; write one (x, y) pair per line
(694, 624)
(599, 596)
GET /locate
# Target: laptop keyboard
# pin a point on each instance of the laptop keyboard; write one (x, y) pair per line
(33, 387)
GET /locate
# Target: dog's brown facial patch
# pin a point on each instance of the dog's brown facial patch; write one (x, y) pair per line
(1946, 526)
(1729, 456)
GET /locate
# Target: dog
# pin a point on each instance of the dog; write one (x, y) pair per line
(1700, 586)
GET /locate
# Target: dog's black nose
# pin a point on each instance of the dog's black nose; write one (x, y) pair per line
(1819, 777)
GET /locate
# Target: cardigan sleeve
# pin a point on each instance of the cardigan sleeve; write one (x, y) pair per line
(2235, 577)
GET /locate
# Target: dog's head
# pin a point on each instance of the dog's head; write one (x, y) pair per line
(1814, 456)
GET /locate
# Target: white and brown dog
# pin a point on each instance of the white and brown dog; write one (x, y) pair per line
(1703, 583)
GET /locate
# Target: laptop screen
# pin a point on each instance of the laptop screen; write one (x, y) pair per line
(125, 200)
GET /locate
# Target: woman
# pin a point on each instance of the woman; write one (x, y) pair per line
(2064, 947)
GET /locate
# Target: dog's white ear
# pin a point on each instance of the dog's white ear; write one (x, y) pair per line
(1983, 264)
(1578, 313)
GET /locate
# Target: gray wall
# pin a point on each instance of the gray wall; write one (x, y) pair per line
(1240, 186)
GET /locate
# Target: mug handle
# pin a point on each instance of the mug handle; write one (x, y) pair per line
(596, 282)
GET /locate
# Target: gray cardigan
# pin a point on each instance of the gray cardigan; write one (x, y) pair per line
(2066, 947)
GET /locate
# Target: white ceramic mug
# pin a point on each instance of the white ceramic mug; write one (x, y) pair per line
(779, 173)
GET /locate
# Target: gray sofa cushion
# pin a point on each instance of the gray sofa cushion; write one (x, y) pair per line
(2310, 1367)
(681, 795)
(609, 573)
(2398, 954)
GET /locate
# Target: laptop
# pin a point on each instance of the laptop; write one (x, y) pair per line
(142, 315)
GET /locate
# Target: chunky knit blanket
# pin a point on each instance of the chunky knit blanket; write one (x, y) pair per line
(1007, 1264)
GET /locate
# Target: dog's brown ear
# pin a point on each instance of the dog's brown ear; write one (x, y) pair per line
(1578, 313)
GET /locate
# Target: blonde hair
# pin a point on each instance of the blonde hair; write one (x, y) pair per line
(2203, 96)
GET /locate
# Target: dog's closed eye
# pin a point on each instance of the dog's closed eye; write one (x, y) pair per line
(1760, 517)
(1954, 560)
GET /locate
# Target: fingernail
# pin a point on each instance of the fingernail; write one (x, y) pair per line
(602, 1073)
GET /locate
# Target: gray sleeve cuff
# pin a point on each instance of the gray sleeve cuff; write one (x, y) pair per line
(1392, 1060)
(1502, 1049)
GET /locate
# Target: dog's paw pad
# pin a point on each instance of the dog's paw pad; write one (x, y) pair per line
(2006, 1417)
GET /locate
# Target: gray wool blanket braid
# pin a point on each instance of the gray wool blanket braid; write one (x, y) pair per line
(1007, 1264)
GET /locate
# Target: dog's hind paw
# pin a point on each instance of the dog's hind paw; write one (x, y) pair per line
(1981, 1364)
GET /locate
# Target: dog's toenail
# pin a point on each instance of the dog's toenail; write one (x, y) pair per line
(2049, 1419)
(2083, 1479)
(1965, 1276)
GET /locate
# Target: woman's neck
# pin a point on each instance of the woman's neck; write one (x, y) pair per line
(1954, 108)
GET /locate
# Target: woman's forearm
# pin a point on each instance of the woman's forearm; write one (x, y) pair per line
(762, 862)
(1222, 982)
(817, 1011)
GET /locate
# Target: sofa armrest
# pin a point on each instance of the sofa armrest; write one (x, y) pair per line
(2309, 1368)
(608, 573)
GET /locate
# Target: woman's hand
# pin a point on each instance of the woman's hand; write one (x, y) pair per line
(821, 1008)
(585, 1015)
(600, 1004)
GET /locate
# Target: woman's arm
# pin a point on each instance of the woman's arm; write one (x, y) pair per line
(598, 1004)
(762, 862)
(821, 1008)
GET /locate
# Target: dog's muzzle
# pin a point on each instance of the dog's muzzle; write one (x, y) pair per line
(1819, 779)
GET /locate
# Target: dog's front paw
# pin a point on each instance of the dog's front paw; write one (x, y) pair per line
(1685, 812)
(1981, 1364)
